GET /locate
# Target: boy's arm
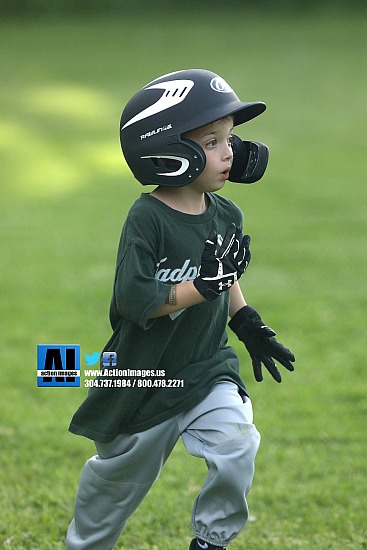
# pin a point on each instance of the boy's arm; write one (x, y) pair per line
(185, 295)
(179, 297)
(236, 301)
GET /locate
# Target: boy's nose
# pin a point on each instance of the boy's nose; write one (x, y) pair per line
(228, 153)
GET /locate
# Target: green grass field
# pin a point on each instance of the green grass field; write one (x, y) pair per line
(64, 194)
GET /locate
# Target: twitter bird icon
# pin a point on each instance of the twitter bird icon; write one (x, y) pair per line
(91, 360)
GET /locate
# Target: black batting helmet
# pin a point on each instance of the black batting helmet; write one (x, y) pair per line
(155, 119)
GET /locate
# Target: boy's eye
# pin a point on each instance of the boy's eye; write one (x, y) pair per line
(230, 140)
(211, 143)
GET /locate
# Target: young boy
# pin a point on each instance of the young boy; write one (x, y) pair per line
(180, 256)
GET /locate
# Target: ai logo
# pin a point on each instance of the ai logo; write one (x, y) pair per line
(58, 365)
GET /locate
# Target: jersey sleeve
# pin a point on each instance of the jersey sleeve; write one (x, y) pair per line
(137, 293)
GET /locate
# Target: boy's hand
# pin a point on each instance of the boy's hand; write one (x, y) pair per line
(260, 343)
(220, 270)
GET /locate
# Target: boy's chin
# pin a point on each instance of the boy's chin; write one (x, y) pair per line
(218, 186)
(208, 187)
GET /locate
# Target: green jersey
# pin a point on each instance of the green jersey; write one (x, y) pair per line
(168, 364)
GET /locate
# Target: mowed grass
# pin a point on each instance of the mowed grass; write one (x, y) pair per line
(64, 194)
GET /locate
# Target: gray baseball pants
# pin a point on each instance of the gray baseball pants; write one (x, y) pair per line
(113, 483)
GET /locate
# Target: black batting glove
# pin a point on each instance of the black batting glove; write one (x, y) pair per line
(260, 343)
(220, 269)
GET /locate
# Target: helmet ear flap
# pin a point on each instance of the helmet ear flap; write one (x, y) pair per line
(250, 159)
(178, 164)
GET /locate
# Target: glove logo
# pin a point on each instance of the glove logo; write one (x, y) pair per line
(229, 283)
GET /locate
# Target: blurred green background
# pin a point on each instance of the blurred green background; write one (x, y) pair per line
(67, 69)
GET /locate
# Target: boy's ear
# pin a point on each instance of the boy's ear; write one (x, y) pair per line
(250, 159)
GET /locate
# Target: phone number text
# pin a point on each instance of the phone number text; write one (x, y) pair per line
(134, 383)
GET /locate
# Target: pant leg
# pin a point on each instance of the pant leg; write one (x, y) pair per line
(221, 431)
(114, 483)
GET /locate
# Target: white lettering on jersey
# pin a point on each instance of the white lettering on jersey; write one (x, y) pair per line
(177, 275)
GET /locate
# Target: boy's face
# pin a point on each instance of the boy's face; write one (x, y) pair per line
(215, 140)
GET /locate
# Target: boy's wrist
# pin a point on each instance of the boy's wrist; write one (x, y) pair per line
(205, 290)
(171, 296)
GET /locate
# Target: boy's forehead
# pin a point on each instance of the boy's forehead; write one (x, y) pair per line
(213, 127)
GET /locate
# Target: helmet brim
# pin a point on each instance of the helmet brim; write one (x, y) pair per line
(241, 112)
(248, 111)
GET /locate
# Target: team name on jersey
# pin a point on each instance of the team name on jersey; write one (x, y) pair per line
(177, 275)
